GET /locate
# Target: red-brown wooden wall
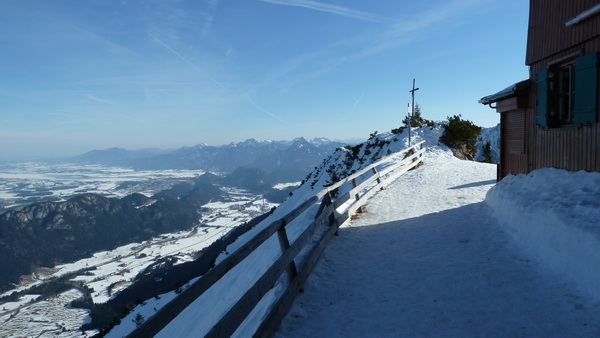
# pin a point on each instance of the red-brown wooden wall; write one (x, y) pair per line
(575, 148)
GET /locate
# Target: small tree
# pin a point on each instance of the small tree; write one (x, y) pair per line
(416, 120)
(487, 153)
(461, 136)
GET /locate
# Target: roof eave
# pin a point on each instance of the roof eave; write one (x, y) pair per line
(507, 93)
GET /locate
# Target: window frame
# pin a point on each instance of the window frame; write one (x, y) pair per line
(561, 113)
(582, 108)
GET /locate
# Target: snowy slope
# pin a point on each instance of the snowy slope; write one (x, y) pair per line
(344, 163)
(222, 296)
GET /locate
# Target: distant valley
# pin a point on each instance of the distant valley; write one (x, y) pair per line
(119, 172)
(46, 233)
(55, 213)
(174, 226)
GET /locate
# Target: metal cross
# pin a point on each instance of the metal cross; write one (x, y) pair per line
(412, 109)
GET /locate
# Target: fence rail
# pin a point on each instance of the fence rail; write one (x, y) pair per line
(328, 215)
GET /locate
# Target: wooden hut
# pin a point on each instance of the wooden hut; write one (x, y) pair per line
(552, 118)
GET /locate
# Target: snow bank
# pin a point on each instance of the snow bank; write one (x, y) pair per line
(555, 215)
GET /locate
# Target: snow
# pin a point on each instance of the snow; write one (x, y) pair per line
(281, 186)
(145, 310)
(431, 258)
(18, 181)
(47, 318)
(555, 215)
(121, 265)
(221, 296)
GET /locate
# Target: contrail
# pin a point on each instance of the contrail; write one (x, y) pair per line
(356, 103)
(333, 9)
(186, 61)
(97, 99)
(263, 110)
(213, 80)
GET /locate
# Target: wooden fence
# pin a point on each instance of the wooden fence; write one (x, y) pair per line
(331, 214)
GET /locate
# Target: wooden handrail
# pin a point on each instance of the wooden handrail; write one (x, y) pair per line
(365, 170)
(326, 216)
(284, 303)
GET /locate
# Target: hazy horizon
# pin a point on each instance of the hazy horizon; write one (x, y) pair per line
(50, 157)
(79, 76)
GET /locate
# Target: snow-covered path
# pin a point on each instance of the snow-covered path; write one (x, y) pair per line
(428, 259)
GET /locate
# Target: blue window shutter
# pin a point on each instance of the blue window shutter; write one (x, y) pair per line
(541, 98)
(586, 88)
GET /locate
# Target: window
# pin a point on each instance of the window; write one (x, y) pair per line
(562, 93)
(566, 93)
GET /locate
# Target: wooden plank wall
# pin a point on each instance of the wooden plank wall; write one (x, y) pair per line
(576, 148)
(515, 134)
(513, 154)
(590, 46)
(547, 33)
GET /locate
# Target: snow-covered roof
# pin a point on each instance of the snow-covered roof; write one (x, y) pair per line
(508, 92)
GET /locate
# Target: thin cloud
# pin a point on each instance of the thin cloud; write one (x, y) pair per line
(213, 80)
(333, 9)
(394, 35)
(97, 99)
(263, 110)
(422, 24)
(210, 17)
(186, 60)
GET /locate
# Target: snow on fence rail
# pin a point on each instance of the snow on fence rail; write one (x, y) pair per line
(331, 214)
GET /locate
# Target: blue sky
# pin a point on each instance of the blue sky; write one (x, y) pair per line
(83, 75)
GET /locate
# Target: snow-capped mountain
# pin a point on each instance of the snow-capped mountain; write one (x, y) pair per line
(284, 160)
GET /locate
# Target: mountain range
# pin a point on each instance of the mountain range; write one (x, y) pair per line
(283, 161)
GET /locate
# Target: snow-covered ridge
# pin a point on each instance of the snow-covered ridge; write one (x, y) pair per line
(346, 161)
(554, 214)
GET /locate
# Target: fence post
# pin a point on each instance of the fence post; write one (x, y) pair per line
(284, 243)
(356, 196)
(324, 204)
(378, 178)
(326, 201)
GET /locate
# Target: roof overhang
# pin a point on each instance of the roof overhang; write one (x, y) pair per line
(519, 88)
